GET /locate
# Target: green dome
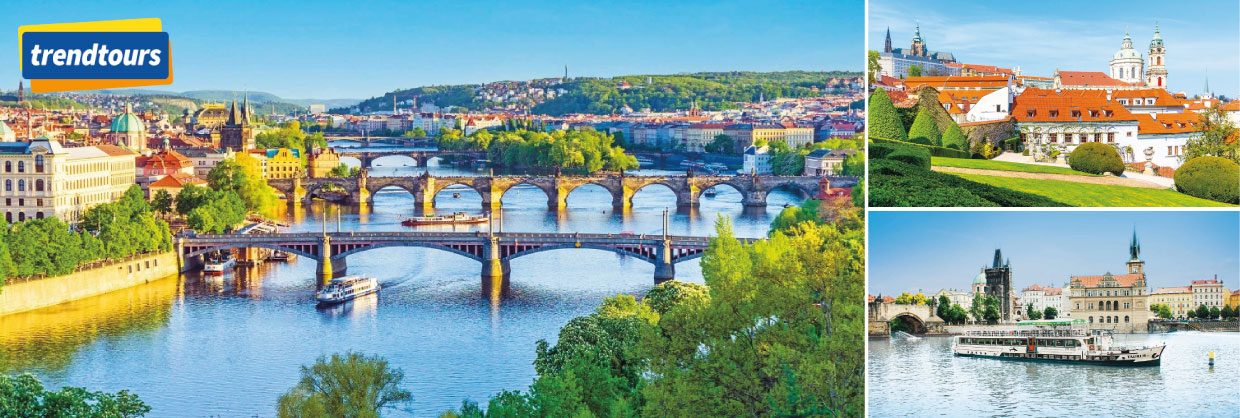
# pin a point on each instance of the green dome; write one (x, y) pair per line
(1127, 52)
(128, 122)
(980, 279)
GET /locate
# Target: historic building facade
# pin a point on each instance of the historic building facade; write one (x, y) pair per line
(1209, 293)
(895, 62)
(1179, 299)
(1113, 302)
(999, 286)
(237, 134)
(41, 178)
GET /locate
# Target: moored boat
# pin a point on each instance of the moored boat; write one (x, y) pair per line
(455, 218)
(1067, 341)
(710, 193)
(343, 289)
(282, 256)
(218, 265)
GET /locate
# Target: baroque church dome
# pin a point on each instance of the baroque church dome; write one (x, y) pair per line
(128, 122)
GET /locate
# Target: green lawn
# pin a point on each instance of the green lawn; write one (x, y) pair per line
(1094, 195)
(1004, 166)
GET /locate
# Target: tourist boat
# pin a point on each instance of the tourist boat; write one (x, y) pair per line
(453, 219)
(456, 195)
(1066, 341)
(344, 289)
(710, 193)
(282, 256)
(217, 266)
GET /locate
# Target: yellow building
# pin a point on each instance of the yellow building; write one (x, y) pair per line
(322, 161)
(1178, 299)
(1233, 300)
(282, 163)
(41, 178)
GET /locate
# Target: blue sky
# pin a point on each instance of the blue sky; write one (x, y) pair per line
(1200, 36)
(359, 49)
(936, 250)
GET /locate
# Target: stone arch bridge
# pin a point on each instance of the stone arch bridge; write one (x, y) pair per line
(493, 250)
(368, 155)
(688, 189)
(920, 318)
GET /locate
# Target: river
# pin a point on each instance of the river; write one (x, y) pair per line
(920, 377)
(192, 347)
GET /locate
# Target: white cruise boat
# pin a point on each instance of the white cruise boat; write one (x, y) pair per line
(1068, 341)
(217, 266)
(346, 288)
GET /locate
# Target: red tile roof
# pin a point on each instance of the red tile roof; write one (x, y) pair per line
(177, 180)
(114, 150)
(1041, 105)
(1168, 123)
(980, 82)
(1090, 78)
(1123, 280)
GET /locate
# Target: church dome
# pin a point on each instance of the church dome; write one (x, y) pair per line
(128, 122)
(1127, 52)
(980, 278)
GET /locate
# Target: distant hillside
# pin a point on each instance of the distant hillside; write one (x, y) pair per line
(711, 91)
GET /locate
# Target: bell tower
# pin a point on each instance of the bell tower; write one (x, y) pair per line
(918, 47)
(1156, 74)
(1135, 265)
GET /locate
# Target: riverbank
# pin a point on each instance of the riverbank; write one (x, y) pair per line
(40, 293)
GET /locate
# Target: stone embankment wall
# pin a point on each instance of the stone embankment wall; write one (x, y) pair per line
(1212, 326)
(30, 295)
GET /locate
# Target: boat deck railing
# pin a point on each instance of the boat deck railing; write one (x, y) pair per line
(1029, 333)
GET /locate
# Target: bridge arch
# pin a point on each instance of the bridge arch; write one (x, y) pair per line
(374, 190)
(649, 258)
(406, 159)
(912, 323)
(458, 251)
(616, 196)
(295, 250)
(659, 186)
(548, 191)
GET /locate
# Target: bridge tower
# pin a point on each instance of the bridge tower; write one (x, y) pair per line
(664, 269)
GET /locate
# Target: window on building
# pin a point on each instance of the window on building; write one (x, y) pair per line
(38, 185)
(21, 216)
(38, 215)
(1111, 137)
(8, 166)
(21, 185)
(8, 185)
(38, 163)
(21, 166)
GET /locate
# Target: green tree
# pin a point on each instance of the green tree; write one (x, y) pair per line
(954, 138)
(1050, 312)
(1190, 314)
(1033, 314)
(914, 71)
(162, 202)
(884, 120)
(924, 131)
(1203, 312)
(721, 144)
(978, 308)
(350, 385)
(943, 307)
(24, 396)
(873, 68)
(904, 299)
(991, 312)
(1214, 312)
(1216, 136)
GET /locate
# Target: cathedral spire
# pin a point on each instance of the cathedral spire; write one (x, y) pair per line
(887, 43)
(1134, 249)
(998, 259)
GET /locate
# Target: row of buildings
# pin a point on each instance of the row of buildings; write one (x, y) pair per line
(1128, 107)
(1119, 302)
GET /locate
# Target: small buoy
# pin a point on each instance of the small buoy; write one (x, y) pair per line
(1211, 358)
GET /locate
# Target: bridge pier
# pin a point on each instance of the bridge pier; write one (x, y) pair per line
(422, 161)
(754, 199)
(495, 270)
(664, 269)
(687, 197)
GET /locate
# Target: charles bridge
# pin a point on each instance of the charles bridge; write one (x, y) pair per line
(367, 155)
(688, 188)
(919, 318)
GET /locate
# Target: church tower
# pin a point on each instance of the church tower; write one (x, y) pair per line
(1156, 75)
(1135, 265)
(237, 134)
(918, 48)
(1127, 64)
(887, 45)
(999, 285)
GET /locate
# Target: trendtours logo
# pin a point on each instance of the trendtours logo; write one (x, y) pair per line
(95, 55)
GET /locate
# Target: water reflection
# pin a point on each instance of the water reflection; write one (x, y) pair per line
(47, 339)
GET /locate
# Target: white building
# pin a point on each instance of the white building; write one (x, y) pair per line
(1210, 293)
(996, 105)
(1042, 297)
(1128, 65)
(757, 160)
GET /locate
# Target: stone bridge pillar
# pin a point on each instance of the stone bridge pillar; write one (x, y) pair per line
(558, 199)
(495, 271)
(664, 269)
(492, 194)
(295, 195)
(424, 197)
(421, 159)
(361, 195)
(687, 197)
(754, 194)
(324, 271)
(365, 160)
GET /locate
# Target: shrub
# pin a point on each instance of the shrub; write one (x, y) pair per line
(1096, 158)
(895, 183)
(1012, 144)
(884, 121)
(924, 131)
(935, 151)
(954, 138)
(1213, 178)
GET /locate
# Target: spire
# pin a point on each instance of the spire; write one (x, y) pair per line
(917, 32)
(998, 259)
(1134, 249)
(232, 111)
(887, 44)
(245, 108)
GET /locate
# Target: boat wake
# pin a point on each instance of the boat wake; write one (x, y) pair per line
(904, 336)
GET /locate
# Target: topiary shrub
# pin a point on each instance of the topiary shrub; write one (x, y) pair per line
(954, 138)
(1212, 178)
(1096, 158)
(884, 122)
(924, 131)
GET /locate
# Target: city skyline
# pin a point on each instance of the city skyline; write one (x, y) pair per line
(1007, 36)
(269, 48)
(945, 250)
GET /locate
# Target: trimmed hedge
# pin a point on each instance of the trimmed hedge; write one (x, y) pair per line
(883, 119)
(935, 151)
(1012, 144)
(923, 130)
(953, 138)
(899, 184)
(1212, 178)
(1096, 158)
